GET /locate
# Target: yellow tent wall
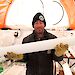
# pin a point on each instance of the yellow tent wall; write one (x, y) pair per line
(4, 5)
(69, 6)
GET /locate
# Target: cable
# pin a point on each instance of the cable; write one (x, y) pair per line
(62, 13)
(42, 5)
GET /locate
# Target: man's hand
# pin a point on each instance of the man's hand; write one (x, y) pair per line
(60, 49)
(13, 56)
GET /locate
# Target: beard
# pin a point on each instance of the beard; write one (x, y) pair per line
(39, 30)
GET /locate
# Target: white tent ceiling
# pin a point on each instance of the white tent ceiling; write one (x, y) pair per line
(21, 12)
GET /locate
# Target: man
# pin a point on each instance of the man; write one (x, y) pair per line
(41, 63)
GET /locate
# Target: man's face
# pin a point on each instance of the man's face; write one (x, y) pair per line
(39, 27)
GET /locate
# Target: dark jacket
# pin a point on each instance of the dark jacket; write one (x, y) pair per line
(40, 63)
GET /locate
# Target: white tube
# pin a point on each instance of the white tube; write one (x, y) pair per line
(38, 46)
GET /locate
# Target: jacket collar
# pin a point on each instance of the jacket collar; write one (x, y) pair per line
(45, 35)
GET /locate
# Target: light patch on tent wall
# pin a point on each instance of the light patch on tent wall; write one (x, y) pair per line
(62, 13)
(55, 13)
(22, 11)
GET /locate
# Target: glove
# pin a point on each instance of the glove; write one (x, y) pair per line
(60, 49)
(13, 56)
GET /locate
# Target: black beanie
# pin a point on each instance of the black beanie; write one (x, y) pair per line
(40, 17)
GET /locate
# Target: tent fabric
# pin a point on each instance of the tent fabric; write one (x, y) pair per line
(69, 6)
(4, 5)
